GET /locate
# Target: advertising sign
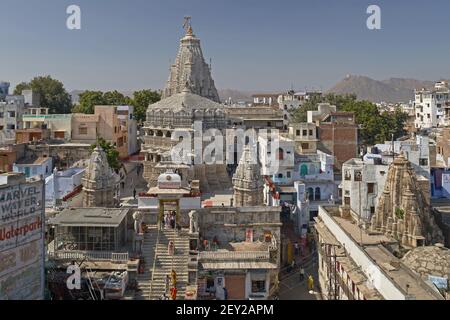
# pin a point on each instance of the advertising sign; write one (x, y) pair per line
(22, 241)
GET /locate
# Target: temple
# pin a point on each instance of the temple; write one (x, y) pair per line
(191, 69)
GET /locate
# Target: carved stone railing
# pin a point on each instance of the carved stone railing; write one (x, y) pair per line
(234, 256)
(89, 255)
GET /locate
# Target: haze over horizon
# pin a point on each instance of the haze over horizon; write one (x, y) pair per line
(254, 45)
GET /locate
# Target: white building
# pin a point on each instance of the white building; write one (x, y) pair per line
(432, 107)
(415, 150)
(42, 166)
(62, 184)
(362, 185)
(11, 112)
(22, 272)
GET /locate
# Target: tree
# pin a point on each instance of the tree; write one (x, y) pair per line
(141, 100)
(111, 153)
(89, 99)
(375, 127)
(52, 92)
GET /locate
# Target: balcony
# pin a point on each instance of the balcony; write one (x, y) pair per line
(90, 255)
(234, 256)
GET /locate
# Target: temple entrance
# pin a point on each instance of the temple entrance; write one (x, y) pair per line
(167, 207)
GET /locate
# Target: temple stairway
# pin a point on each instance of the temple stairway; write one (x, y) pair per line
(160, 263)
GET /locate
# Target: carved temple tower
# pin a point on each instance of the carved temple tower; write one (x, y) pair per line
(247, 181)
(190, 69)
(403, 211)
(100, 182)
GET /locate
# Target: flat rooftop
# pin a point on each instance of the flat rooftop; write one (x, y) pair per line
(373, 245)
(91, 217)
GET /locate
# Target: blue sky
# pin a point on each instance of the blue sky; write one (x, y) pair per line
(254, 44)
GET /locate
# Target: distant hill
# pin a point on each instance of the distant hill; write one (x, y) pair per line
(391, 90)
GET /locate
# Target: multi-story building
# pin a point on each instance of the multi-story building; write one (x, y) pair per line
(276, 154)
(305, 137)
(432, 106)
(362, 185)
(22, 238)
(11, 112)
(128, 123)
(105, 123)
(59, 125)
(357, 264)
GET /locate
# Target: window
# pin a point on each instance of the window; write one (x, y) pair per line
(423, 162)
(311, 194)
(317, 194)
(269, 124)
(288, 174)
(305, 145)
(82, 130)
(347, 201)
(258, 286)
(305, 132)
(280, 154)
(12, 114)
(372, 210)
(358, 176)
(280, 176)
(1, 114)
(297, 132)
(347, 175)
(310, 132)
(370, 188)
(428, 116)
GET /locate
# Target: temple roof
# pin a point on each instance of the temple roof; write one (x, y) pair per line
(185, 100)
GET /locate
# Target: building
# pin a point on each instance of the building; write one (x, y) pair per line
(256, 117)
(22, 236)
(305, 137)
(59, 125)
(243, 255)
(34, 166)
(4, 89)
(443, 147)
(62, 185)
(276, 155)
(100, 182)
(105, 123)
(128, 123)
(356, 264)
(432, 106)
(176, 116)
(191, 70)
(362, 185)
(9, 155)
(338, 136)
(266, 99)
(11, 112)
(32, 98)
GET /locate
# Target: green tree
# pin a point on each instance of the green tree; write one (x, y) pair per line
(89, 99)
(111, 153)
(141, 100)
(52, 92)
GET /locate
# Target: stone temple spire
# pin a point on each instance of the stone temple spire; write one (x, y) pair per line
(190, 67)
(247, 181)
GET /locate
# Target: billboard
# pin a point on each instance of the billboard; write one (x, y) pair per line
(22, 235)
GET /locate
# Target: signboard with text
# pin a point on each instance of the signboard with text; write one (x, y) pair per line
(22, 236)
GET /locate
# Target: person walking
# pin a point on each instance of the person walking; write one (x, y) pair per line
(302, 274)
(310, 283)
(167, 283)
(134, 193)
(225, 293)
(173, 293)
(296, 248)
(171, 248)
(174, 278)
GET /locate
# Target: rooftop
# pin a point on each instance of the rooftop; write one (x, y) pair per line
(185, 101)
(33, 161)
(91, 217)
